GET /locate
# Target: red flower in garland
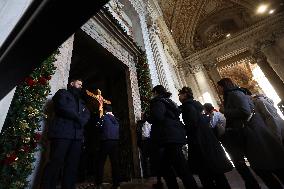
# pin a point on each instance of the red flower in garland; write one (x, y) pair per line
(30, 81)
(42, 81)
(37, 137)
(25, 148)
(144, 98)
(48, 77)
(10, 159)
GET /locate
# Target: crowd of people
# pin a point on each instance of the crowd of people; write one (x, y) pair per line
(247, 126)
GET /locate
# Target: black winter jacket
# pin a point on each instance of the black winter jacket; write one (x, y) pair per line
(166, 125)
(205, 152)
(238, 108)
(191, 114)
(109, 128)
(71, 115)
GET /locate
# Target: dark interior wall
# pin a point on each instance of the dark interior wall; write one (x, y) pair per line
(99, 69)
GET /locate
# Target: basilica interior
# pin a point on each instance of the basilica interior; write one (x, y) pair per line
(190, 43)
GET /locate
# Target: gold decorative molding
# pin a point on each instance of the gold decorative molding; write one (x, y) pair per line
(272, 27)
(183, 16)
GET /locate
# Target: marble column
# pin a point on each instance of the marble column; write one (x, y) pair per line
(161, 61)
(153, 31)
(181, 77)
(203, 82)
(214, 77)
(211, 68)
(192, 83)
(150, 55)
(269, 73)
(275, 57)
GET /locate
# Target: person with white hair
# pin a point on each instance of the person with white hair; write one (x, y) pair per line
(217, 120)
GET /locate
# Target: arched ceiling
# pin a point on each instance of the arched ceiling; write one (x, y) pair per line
(188, 19)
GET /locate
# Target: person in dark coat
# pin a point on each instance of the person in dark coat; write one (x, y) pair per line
(206, 156)
(247, 135)
(169, 134)
(109, 147)
(66, 136)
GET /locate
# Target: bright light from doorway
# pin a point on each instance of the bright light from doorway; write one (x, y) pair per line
(262, 9)
(266, 87)
(207, 98)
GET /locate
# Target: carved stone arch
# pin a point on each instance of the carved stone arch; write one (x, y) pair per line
(133, 14)
(194, 23)
(229, 20)
(249, 4)
(143, 14)
(183, 17)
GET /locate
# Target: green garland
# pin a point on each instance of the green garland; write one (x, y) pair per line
(18, 140)
(19, 137)
(144, 82)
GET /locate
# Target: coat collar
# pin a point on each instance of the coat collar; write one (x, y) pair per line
(188, 101)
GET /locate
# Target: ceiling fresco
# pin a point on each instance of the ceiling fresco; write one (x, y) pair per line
(196, 24)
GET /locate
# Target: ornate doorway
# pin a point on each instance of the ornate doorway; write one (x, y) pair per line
(100, 69)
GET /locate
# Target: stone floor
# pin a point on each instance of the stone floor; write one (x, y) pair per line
(233, 177)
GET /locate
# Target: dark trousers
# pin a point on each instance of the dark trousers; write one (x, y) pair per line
(155, 159)
(209, 178)
(145, 157)
(63, 154)
(108, 148)
(269, 178)
(157, 166)
(234, 144)
(173, 161)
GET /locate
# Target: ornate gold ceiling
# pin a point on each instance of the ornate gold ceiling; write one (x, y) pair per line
(189, 20)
